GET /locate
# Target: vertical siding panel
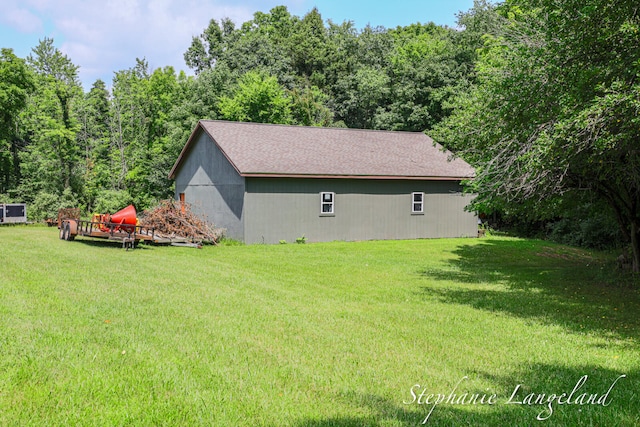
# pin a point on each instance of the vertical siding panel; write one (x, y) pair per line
(285, 209)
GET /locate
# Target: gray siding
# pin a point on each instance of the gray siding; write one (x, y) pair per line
(212, 186)
(285, 209)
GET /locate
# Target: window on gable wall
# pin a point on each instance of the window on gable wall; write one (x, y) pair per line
(327, 203)
(417, 202)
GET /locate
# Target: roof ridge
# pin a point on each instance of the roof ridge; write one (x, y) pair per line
(315, 127)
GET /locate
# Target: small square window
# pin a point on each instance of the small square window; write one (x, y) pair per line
(326, 203)
(417, 202)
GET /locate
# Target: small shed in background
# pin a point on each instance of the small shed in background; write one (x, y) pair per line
(13, 213)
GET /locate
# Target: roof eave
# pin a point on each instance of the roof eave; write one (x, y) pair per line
(347, 176)
(187, 146)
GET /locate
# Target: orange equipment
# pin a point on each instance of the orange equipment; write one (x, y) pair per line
(126, 220)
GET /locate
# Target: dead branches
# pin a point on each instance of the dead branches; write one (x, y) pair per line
(172, 219)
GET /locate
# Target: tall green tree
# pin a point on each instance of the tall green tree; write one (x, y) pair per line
(477, 24)
(343, 53)
(53, 155)
(206, 49)
(260, 44)
(265, 44)
(555, 111)
(424, 72)
(259, 98)
(130, 124)
(166, 91)
(141, 108)
(361, 96)
(16, 82)
(94, 138)
(360, 74)
(309, 47)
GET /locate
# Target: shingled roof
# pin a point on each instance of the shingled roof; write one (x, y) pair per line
(266, 150)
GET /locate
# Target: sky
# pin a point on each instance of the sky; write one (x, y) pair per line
(104, 36)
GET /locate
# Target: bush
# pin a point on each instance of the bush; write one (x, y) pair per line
(592, 229)
(46, 205)
(111, 201)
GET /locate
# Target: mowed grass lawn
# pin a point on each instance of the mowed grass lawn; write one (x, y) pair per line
(326, 334)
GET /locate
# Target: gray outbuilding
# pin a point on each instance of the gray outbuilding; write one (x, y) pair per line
(265, 183)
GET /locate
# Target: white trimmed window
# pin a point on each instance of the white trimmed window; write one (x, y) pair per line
(417, 202)
(327, 203)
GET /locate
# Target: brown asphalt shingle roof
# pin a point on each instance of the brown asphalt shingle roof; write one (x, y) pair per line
(257, 149)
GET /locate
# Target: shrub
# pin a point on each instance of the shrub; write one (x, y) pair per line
(111, 201)
(589, 228)
(46, 205)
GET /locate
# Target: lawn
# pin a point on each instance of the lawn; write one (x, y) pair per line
(325, 334)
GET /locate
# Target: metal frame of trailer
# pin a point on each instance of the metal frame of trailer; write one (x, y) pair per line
(129, 235)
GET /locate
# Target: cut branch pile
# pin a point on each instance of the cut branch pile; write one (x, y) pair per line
(173, 220)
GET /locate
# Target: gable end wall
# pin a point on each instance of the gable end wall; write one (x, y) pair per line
(212, 186)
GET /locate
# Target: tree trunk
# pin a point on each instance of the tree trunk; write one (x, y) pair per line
(635, 247)
(628, 217)
(15, 164)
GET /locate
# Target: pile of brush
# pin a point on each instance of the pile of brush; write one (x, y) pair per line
(173, 220)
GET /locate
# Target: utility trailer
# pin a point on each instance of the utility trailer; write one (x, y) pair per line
(128, 235)
(13, 213)
(121, 226)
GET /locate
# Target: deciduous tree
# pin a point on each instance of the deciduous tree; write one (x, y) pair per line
(53, 155)
(16, 82)
(259, 98)
(556, 109)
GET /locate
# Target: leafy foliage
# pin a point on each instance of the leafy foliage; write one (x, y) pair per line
(259, 98)
(555, 110)
(51, 161)
(16, 82)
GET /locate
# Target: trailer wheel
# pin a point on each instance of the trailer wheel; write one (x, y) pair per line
(70, 237)
(67, 231)
(72, 230)
(61, 231)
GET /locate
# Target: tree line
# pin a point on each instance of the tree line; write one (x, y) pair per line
(540, 96)
(101, 149)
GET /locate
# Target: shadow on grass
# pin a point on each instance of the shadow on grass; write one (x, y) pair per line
(553, 284)
(105, 243)
(620, 407)
(537, 280)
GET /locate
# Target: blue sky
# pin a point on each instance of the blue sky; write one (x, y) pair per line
(104, 36)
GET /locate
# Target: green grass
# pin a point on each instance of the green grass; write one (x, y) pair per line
(331, 334)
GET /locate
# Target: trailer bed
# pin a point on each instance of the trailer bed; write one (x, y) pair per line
(128, 235)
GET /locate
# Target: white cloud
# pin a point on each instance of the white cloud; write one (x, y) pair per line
(20, 18)
(104, 36)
